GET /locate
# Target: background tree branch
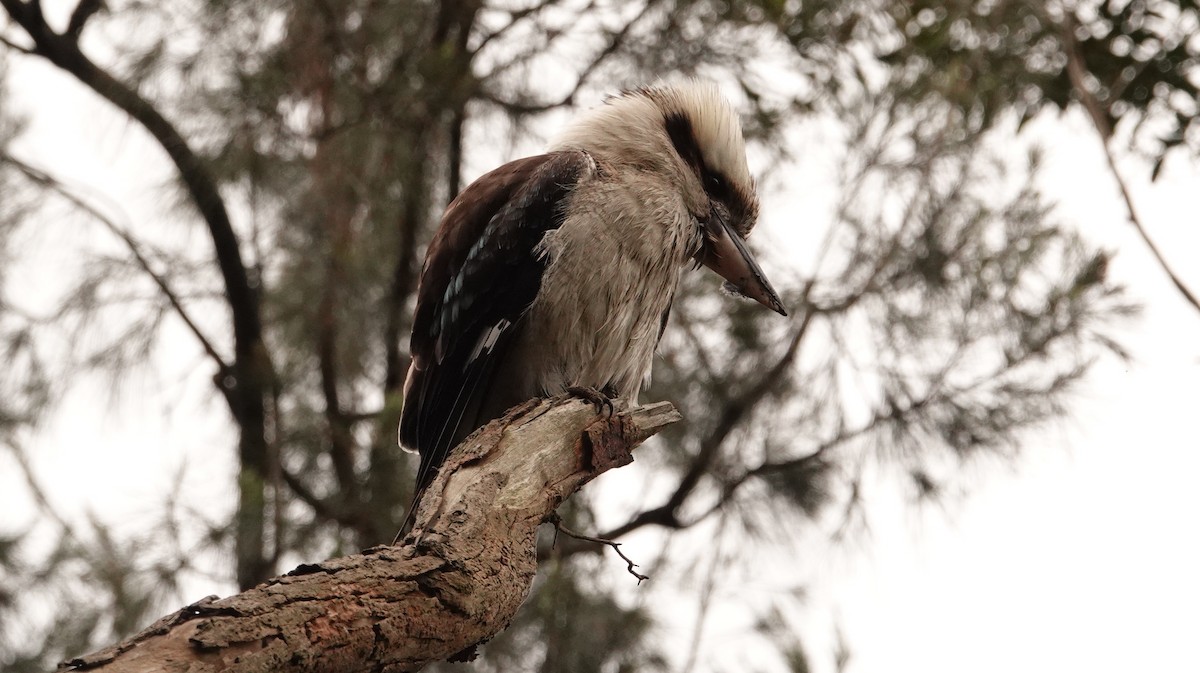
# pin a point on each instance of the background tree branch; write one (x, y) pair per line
(1100, 116)
(160, 280)
(247, 384)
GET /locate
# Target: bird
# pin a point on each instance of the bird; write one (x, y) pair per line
(556, 272)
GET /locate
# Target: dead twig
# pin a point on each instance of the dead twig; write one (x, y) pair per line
(555, 520)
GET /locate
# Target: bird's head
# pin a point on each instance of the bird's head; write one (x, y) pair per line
(690, 136)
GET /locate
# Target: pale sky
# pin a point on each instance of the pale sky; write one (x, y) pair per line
(1085, 556)
(1082, 556)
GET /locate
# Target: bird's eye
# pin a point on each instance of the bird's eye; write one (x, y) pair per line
(715, 184)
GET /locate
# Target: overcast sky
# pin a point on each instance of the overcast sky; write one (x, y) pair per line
(1082, 556)
(1085, 556)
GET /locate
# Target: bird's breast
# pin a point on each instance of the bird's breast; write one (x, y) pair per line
(612, 271)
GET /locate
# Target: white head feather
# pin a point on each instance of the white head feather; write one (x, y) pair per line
(633, 128)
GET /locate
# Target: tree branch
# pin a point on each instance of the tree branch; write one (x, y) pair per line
(616, 42)
(403, 275)
(322, 507)
(248, 384)
(515, 17)
(85, 10)
(555, 520)
(1076, 70)
(45, 180)
(732, 415)
(64, 53)
(341, 441)
(456, 581)
(16, 47)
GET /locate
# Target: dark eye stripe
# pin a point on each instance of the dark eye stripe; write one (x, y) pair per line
(717, 184)
(679, 128)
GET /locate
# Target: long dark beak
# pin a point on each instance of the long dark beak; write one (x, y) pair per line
(725, 252)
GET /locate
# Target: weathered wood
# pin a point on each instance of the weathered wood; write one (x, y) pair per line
(457, 579)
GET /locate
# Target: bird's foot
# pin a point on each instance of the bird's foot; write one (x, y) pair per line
(602, 399)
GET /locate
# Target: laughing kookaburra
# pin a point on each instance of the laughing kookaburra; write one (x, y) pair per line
(557, 271)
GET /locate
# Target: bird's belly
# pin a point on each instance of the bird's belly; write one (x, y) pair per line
(604, 332)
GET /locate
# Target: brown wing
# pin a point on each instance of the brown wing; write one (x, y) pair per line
(481, 274)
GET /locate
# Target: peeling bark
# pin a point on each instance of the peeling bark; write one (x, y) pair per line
(457, 579)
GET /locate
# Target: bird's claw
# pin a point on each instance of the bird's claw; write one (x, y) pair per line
(601, 399)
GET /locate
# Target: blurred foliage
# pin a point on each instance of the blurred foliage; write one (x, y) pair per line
(947, 312)
(991, 57)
